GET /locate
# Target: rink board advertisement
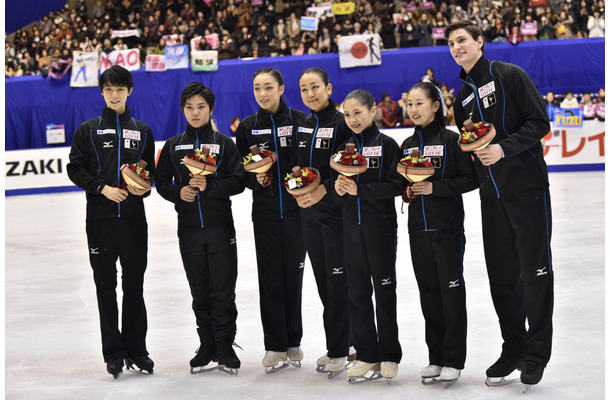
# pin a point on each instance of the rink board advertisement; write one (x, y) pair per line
(44, 170)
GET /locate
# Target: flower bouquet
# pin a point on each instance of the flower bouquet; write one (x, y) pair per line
(302, 180)
(415, 167)
(348, 162)
(201, 162)
(259, 160)
(136, 175)
(476, 136)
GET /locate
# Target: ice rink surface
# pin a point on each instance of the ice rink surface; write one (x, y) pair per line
(53, 348)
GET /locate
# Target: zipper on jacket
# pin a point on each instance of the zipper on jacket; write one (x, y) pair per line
(358, 178)
(313, 139)
(198, 194)
(118, 170)
(277, 162)
(421, 150)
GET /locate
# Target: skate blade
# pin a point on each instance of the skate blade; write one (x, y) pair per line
(389, 381)
(321, 369)
(365, 378)
(431, 380)
(274, 369)
(116, 376)
(490, 382)
(526, 388)
(230, 371)
(334, 374)
(129, 365)
(295, 363)
(450, 383)
(203, 369)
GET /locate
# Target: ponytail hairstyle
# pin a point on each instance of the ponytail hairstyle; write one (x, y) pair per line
(318, 71)
(434, 94)
(363, 97)
(277, 75)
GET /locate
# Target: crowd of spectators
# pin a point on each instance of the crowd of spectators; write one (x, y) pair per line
(274, 28)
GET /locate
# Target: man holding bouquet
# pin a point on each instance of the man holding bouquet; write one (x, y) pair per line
(515, 201)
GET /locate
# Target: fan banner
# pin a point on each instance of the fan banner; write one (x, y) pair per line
(359, 51)
(84, 69)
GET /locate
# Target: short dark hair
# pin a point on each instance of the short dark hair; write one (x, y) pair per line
(384, 95)
(363, 97)
(197, 89)
(116, 76)
(469, 27)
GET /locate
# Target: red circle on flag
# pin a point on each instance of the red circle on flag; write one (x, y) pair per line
(359, 50)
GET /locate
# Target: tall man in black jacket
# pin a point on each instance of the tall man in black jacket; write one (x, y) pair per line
(515, 201)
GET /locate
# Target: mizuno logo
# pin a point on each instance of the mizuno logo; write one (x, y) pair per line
(94, 250)
(541, 272)
(233, 240)
(302, 265)
(303, 144)
(386, 281)
(263, 146)
(107, 145)
(454, 283)
(338, 271)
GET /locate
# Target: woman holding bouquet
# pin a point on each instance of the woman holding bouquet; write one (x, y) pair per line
(205, 225)
(280, 253)
(436, 232)
(369, 230)
(316, 139)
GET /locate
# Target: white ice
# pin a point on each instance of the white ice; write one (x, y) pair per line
(53, 348)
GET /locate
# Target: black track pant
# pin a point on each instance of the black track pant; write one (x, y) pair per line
(517, 236)
(209, 256)
(280, 255)
(125, 239)
(437, 261)
(370, 254)
(324, 241)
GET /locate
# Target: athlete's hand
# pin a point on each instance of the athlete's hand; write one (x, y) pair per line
(137, 191)
(309, 199)
(188, 193)
(198, 182)
(114, 193)
(490, 154)
(423, 187)
(261, 177)
(347, 185)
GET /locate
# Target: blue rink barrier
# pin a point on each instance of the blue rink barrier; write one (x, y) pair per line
(32, 102)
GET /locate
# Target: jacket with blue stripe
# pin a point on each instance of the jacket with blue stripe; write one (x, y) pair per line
(99, 147)
(274, 133)
(504, 95)
(378, 186)
(454, 174)
(317, 138)
(212, 207)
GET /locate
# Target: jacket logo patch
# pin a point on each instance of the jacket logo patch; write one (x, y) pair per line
(127, 134)
(263, 146)
(489, 100)
(371, 151)
(433, 151)
(373, 162)
(132, 144)
(107, 145)
(305, 130)
(322, 143)
(284, 131)
(409, 151)
(303, 143)
(185, 147)
(214, 148)
(487, 89)
(106, 131)
(285, 141)
(468, 99)
(262, 132)
(325, 133)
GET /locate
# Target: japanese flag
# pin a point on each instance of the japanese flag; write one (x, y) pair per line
(359, 51)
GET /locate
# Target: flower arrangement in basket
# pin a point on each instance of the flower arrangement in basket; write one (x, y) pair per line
(415, 168)
(476, 136)
(302, 180)
(348, 162)
(259, 161)
(201, 162)
(136, 175)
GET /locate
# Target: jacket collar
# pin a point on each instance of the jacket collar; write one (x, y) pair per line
(264, 115)
(199, 132)
(366, 135)
(328, 112)
(432, 129)
(110, 114)
(478, 71)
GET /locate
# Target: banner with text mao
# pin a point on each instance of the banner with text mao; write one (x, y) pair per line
(204, 60)
(359, 51)
(84, 69)
(177, 57)
(128, 59)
